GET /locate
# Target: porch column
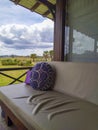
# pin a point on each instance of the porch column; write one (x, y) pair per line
(59, 30)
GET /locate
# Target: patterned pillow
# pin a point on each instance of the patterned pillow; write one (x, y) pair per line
(42, 77)
(27, 79)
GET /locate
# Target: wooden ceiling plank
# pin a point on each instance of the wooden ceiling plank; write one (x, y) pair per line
(46, 13)
(35, 6)
(50, 6)
(47, 3)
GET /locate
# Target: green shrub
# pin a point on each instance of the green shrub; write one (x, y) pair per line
(24, 63)
(9, 62)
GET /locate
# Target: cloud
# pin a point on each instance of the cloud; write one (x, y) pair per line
(23, 32)
(80, 44)
(21, 37)
(11, 13)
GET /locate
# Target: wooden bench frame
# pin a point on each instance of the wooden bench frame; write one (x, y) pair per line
(10, 118)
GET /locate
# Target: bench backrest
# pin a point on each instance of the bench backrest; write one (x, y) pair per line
(78, 79)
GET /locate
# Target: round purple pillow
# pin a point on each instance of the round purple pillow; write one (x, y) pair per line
(42, 76)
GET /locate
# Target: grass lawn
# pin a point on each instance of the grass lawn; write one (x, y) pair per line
(15, 73)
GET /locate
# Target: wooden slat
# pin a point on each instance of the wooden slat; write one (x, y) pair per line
(35, 6)
(10, 77)
(12, 69)
(18, 78)
(17, 68)
(47, 3)
(46, 13)
(50, 6)
(17, 1)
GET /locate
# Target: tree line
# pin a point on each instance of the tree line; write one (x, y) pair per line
(46, 55)
(28, 61)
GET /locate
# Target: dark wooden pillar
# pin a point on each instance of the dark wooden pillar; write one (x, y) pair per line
(59, 30)
(95, 46)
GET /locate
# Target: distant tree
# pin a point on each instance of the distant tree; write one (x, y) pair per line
(51, 54)
(46, 55)
(33, 56)
(12, 56)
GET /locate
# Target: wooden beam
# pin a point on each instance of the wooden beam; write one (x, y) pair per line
(50, 6)
(15, 1)
(46, 13)
(35, 6)
(47, 3)
(59, 30)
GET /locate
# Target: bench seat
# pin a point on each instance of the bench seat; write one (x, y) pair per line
(72, 105)
(49, 110)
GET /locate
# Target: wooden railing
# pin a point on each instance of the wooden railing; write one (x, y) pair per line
(3, 72)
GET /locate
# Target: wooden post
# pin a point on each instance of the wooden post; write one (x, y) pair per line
(59, 30)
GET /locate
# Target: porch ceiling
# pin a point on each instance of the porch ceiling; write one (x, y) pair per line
(45, 8)
(85, 20)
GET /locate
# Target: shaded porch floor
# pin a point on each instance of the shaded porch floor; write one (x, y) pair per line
(3, 125)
